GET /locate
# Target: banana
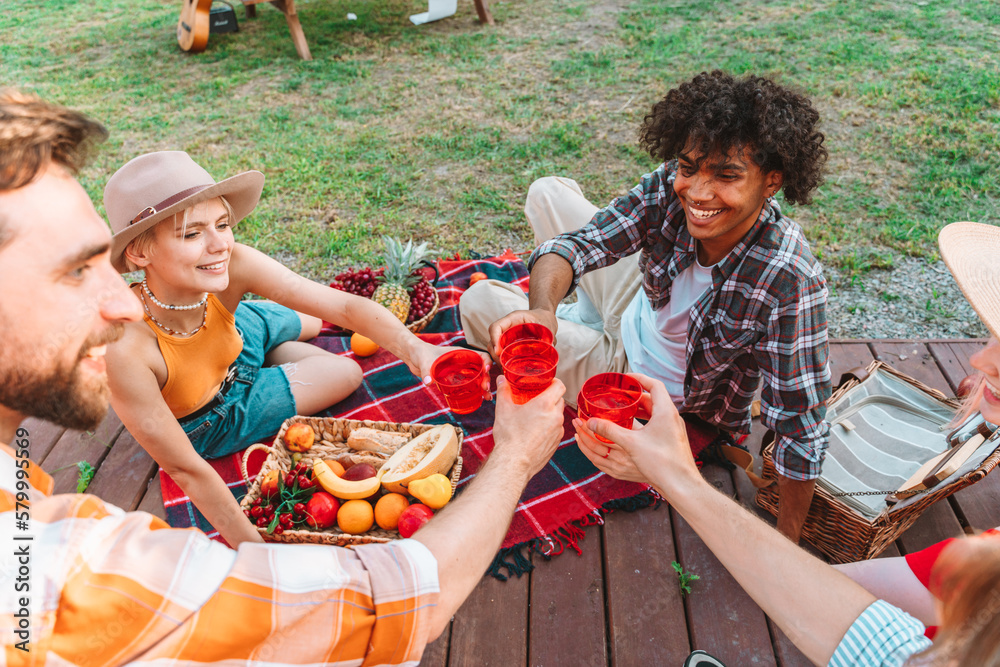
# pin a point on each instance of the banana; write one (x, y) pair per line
(342, 488)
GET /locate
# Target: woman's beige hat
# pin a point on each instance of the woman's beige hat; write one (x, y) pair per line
(155, 186)
(971, 251)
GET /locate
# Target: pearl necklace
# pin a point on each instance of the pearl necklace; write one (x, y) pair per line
(167, 306)
(165, 328)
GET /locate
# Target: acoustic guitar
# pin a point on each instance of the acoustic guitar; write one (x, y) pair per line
(193, 26)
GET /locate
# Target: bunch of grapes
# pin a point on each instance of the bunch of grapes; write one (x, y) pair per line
(422, 297)
(361, 282)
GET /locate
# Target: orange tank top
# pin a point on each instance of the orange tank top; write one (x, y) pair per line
(198, 364)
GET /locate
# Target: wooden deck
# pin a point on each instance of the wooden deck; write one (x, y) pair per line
(617, 604)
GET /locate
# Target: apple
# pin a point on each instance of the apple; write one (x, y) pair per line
(299, 437)
(321, 510)
(966, 385)
(476, 277)
(412, 518)
(358, 472)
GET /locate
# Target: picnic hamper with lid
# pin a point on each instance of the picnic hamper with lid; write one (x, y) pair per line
(331, 443)
(887, 431)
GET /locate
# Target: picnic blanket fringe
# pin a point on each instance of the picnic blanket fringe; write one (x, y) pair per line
(648, 498)
(516, 560)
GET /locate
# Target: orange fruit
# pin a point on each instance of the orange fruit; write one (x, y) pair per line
(335, 467)
(476, 277)
(356, 517)
(388, 508)
(363, 347)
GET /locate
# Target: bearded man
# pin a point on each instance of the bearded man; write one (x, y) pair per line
(90, 584)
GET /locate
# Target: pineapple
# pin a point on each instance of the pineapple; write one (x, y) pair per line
(400, 262)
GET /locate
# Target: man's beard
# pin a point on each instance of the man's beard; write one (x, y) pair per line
(61, 394)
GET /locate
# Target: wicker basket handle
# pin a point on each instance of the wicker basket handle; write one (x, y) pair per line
(860, 374)
(437, 272)
(743, 460)
(246, 457)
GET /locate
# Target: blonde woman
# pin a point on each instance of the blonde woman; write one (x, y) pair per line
(206, 373)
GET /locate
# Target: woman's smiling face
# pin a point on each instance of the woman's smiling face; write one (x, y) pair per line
(195, 256)
(722, 196)
(987, 362)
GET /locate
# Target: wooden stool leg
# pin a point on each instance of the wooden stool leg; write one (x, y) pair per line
(287, 8)
(251, 11)
(483, 9)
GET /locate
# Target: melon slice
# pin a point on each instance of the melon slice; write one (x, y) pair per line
(433, 451)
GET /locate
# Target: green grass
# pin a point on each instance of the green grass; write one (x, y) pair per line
(436, 131)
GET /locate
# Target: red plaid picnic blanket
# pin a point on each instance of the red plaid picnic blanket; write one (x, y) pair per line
(568, 494)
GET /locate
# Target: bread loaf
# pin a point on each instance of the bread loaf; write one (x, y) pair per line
(373, 440)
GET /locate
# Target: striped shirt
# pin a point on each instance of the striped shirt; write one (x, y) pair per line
(763, 318)
(106, 587)
(881, 636)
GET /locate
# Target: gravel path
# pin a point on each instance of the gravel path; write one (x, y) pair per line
(915, 299)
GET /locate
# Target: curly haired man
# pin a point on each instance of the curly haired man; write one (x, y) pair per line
(731, 294)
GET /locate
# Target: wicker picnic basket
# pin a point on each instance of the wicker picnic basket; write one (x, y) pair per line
(416, 326)
(331, 443)
(840, 531)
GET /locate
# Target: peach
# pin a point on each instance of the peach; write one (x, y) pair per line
(299, 437)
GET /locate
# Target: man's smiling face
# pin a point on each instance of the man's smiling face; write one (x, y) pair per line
(61, 302)
(722, 196)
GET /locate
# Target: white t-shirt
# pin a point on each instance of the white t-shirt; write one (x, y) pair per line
(656, 341)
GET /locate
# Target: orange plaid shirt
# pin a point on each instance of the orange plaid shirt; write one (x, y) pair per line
(95, 585)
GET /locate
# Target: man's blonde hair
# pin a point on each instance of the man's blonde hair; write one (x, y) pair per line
(144, 241)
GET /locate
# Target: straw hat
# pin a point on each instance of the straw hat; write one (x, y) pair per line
(155, 186)
(972, 252)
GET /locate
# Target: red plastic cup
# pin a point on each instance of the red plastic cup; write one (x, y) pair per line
(611, 396)
(458, 375)
(583, 412)
(524, 331)
(530, 367)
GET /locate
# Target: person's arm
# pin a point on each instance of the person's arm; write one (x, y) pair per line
(551, 279)
(892, 580)
(793, 357)
(812, 603)
(465, 535)
(136, 398)
(616, 231)
(254, 272)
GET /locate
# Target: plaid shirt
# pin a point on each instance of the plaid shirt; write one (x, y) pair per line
(764, 316)
(108, 587)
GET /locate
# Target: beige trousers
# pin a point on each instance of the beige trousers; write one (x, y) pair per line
(556, 205)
